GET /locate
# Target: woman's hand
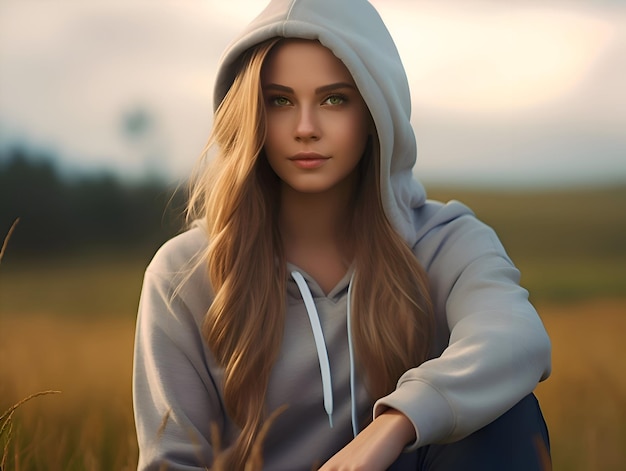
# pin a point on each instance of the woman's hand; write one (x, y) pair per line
(376, 447)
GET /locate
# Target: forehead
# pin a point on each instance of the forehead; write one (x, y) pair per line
(303, 61)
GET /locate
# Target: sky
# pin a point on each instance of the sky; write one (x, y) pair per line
(504, 93)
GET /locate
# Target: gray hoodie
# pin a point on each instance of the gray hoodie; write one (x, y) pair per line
(490, 347)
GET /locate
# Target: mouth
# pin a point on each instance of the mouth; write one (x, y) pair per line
(308, 160)
(308, 156)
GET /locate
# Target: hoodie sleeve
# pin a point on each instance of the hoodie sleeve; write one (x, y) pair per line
(174, 396)
(497, 351)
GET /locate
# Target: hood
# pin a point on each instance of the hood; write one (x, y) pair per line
(355, 33)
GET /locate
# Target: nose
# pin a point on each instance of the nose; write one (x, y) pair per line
(307, 125)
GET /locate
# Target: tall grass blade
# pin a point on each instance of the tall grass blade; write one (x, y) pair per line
(6, 239)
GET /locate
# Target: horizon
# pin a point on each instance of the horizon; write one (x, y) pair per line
(518, 94)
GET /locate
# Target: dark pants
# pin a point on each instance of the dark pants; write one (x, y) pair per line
(516, 441)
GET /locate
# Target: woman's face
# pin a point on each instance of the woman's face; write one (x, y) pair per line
(317, 121)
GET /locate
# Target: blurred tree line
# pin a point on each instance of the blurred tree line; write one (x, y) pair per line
(60, 215)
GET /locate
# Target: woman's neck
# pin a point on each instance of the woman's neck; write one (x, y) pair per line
(313, 219)
(314, 230)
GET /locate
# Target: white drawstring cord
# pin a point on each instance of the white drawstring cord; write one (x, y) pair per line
(320, 345)
(355, 428)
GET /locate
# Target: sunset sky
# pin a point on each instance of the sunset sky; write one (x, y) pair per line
(504, 93)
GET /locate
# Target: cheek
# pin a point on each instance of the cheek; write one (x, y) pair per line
(272, 137)
(359, 124)
(277, 130)
(359, 132)
(274, 147)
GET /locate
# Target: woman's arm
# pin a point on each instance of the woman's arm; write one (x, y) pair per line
(174, 396)
(377, 446)
(495, 349)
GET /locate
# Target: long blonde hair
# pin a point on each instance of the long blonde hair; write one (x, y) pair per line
(237, 195)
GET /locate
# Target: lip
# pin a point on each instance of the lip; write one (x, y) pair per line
(308, 160)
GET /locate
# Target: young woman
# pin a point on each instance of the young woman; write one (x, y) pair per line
(316, 276)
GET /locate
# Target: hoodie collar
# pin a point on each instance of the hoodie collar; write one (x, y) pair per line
(293, 292)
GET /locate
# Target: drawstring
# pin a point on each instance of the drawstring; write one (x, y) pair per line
(355, 429)
(318, 335)
(322, 352)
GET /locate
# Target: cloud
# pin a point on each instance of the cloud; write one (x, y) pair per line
(69, 77)
(491, 57)
(70, 71)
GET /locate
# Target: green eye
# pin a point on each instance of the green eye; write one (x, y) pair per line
(335, 100)
(280, 101)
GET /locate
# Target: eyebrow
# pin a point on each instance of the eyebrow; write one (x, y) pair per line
(318, 90)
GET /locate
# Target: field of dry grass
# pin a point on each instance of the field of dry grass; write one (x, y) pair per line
(89, 425)
(584, 400)
(68, 325)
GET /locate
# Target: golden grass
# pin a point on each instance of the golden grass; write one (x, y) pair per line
(90, 425)
(69, 326)
(584, 401)
(87, 427)
(5, 241)
(6, 423)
